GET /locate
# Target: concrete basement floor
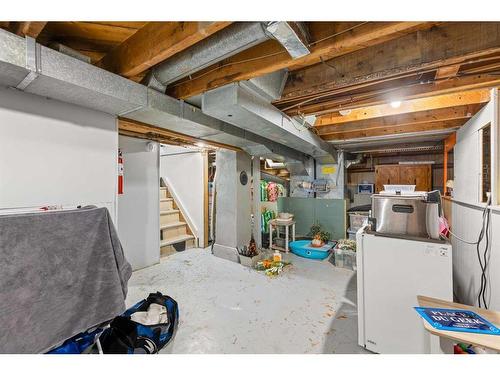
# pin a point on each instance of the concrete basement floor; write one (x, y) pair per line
(227, 308)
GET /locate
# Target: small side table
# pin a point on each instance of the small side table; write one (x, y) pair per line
(281, 223)
(441, 341)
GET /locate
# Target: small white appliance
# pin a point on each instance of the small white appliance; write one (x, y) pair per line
(365, 189)
(391, 272)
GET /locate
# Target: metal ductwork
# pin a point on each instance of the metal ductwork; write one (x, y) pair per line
(33, 68)
(292, 35)
(246, 109)
(352, 159)
(226, 43)
(246, 105)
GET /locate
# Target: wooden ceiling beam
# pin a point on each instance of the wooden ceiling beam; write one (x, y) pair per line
(447, 71)
(444, 46)
(407, 106)
(398, 129)
(154, 43)
(407, 92)
(32, 29)
(127, 127)
(270, 56)
(464, 113)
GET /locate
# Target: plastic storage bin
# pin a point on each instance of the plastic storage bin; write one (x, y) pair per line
(357, 219)
(352, 233)
(345, 259)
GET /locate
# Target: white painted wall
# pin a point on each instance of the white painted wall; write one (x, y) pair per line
(467, 211)
(467, 165)
(182, 170)
(139, 205)
(54, 153)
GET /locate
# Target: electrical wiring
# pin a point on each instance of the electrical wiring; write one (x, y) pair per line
(461, 239)
(483, 263)
(482, 258)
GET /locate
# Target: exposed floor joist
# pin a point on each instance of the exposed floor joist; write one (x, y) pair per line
(406, 92)
(154, 43)
(434, 118)
(270, 56)
(407, 106)
(154, 133)
(414, 116)
(93, 39)
(447, 49)
(32, 29)
(395, 129)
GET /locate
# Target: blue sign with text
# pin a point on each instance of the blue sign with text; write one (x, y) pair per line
(457, 320)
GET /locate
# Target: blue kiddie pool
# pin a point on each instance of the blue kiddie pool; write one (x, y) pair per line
(304, 249)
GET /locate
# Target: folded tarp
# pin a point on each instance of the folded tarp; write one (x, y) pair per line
(61, 273)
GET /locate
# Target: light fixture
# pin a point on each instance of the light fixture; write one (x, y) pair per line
(396, 103)
(345, 112)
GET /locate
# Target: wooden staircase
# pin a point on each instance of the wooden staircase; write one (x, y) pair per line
(175, 234)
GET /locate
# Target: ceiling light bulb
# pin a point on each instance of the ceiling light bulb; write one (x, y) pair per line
(396, 104)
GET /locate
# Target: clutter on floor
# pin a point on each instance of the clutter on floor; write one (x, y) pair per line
(249, 255)
(156, 314)
(83, 343)
(131, 333)
(66, 276)
(271, 267)
(345, 254)
(230, 309)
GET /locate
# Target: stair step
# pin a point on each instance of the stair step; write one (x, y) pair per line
(163, 188)
(166, 199)
(168, 212)
(172, 225)
(174, 240)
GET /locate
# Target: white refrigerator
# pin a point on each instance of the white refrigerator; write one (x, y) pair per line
(391, 272)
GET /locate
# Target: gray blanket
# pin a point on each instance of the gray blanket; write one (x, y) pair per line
(60, 274)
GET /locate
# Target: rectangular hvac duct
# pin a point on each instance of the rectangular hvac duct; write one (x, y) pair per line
(249, 111)
(33, 68)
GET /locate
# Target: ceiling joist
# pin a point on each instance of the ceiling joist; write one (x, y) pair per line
(154, 43)
(393, 130)
(270, 56)
(154, 133)
(462, 113)
(407, 106)
(442, 48)
(413, 116)
(32, 29)
(407, 92)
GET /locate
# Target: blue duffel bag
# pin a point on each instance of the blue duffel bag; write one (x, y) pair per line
(78, 344)
(125, 336)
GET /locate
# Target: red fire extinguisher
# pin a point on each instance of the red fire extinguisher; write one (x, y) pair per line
(120, 172)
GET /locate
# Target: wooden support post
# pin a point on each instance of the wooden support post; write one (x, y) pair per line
(449, 143)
